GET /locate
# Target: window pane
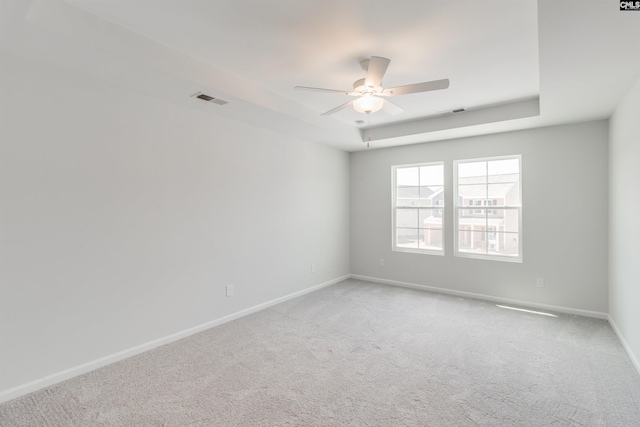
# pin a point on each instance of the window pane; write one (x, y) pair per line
(472, 241)
(505, 219)
(504, 194)
(472, 230)
(431, 239)
(432, 175)
(503, 243)
(472, 217)
(471, 192)
(418, 206)
(431, 195)
(484, 223)
(407, 218)
(507, 171)
(502, 167)
(407, 177)
(407, 196)
(430, 218)
(475, 171)
(407, 238)
(506, 178)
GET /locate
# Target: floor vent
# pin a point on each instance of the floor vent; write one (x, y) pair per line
(209, 98)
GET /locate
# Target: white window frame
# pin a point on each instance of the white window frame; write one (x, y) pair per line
(441, 207)
(458, 207)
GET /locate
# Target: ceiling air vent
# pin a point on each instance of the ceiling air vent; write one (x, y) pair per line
(458, 110)
(209, 98)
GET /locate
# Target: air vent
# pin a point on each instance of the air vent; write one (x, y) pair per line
(205, 97)
(209, 98)
(458, 110)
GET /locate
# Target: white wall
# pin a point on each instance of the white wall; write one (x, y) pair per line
(123, 218)
(624, 227)
(564, 218)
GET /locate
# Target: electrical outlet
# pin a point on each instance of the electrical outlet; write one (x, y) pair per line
(381, 262)
(313, 268)
(540, 282)
(229, 290)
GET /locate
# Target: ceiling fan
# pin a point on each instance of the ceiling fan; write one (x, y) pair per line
(371, 95)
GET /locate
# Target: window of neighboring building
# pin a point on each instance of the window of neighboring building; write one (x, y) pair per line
(418, 207)
(480, 232)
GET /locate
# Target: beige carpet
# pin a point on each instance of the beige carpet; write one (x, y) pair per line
(361, 354)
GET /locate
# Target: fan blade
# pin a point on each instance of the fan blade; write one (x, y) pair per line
(335, 110)
(375, 71)
(417, 87)
(391, 108)
(318, 89)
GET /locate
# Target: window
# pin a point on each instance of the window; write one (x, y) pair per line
(481, 232)
(418, 207)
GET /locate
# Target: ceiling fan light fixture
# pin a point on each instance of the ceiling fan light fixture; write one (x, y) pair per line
(368, 103)
(372, 95)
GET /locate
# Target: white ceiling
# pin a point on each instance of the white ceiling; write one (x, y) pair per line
(512, 64)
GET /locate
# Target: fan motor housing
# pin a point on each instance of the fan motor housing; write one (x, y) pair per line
(359, 86)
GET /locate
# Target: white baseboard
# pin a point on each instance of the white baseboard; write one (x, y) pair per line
(528, 304)
(98, 363)
(49, 380)
(634, 359)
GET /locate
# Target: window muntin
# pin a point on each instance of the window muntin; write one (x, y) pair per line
(488, 208)
(418, 208)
